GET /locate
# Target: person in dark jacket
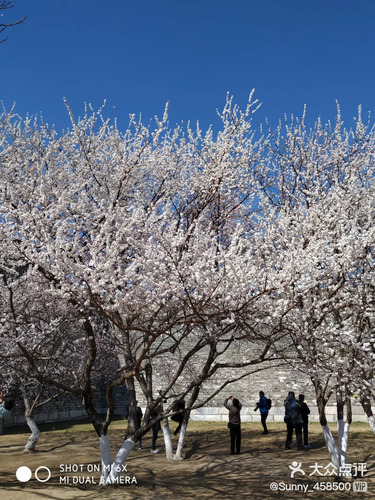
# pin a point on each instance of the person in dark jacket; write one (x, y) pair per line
(305, 412)
(137, 422)
(293, 419)
(262, 406)
(155, 428)
(139, 415)
(179, 417)
(234, 406)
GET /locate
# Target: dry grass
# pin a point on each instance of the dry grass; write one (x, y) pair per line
(208, 470)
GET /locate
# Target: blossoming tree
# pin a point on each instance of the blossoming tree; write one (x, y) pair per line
(146, 232)
(320, 183)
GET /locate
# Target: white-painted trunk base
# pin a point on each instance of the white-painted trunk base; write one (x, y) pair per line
(121, 456)
(105, 454)
(35, 434)
(343, 435)
(331, 445)
(167, 441)
(111, 471)
(181, 442)
(371, 423)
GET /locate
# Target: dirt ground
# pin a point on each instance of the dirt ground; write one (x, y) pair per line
(208, 471)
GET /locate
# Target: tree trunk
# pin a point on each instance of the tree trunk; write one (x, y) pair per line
(105, 454)
(29, 410)
(181, 441)
(35, 434)
(371, 423)
(340, 432)
(344, 445)
(111, 471)
(320, 401)
(331, 445)
(121, 456)
(366, 405)
(167, 439)
(181, 437)
(341, 428)
(344, 440)
(330, 442)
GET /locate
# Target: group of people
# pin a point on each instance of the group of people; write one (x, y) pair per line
(296, 418)
(178, 417)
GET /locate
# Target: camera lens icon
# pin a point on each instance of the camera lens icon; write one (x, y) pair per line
(24, 474)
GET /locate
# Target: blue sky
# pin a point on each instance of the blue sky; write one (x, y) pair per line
(139, 54)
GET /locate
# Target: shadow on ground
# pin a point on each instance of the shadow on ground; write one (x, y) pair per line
(208, 471)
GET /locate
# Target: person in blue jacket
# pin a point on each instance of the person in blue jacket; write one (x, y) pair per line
(262, 407)
(5, 409)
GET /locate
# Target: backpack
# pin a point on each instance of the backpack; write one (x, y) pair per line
(268, 404)
(288, 416)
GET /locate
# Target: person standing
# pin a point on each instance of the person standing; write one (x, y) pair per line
(234, 406)
(138, 422)
(6, 407)
(293, 420)
(305, 412)
(179, 417)
(155, 428)
(262, 406)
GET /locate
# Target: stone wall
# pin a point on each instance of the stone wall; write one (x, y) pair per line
(276, 414)
(275, 382)
(69, 407)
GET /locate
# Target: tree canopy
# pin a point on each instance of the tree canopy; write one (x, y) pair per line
(167, 247)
